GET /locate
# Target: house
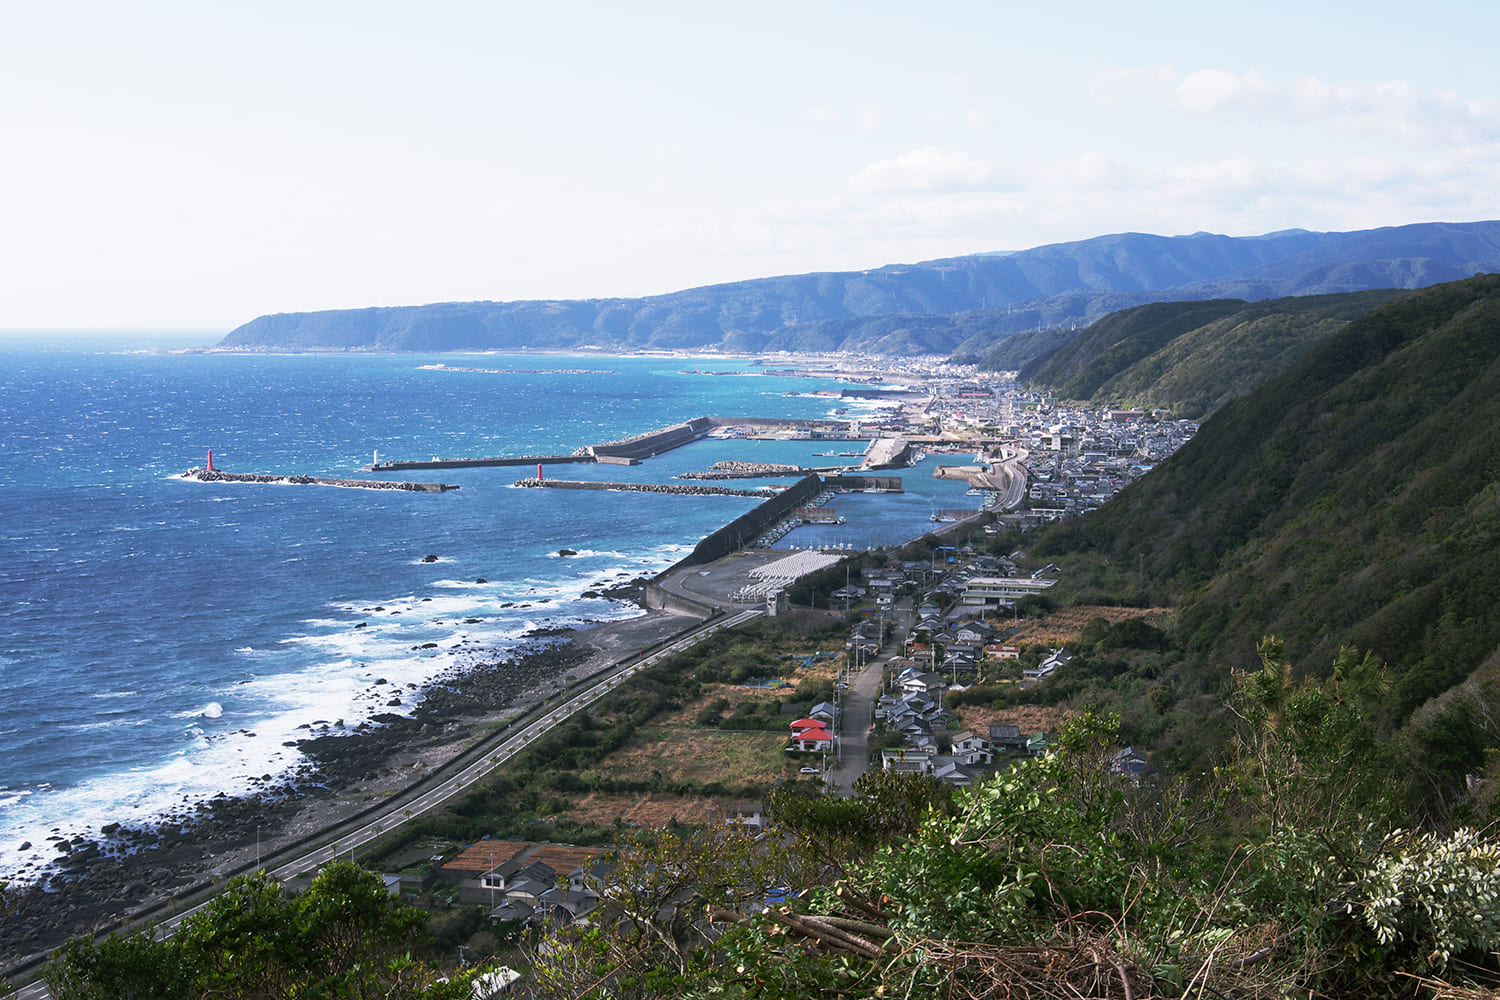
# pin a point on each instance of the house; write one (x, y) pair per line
(746, 813)
(491, 872)
(925, 684)
(960, 663)
(950, 771)
(564, 906)
(903, 760)
(1130, 764)
(811, 740)
(1006, 739)
(971, 748)
(973, 633)
(1044, 669)
(825, 711)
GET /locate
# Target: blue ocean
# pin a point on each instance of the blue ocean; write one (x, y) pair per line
(164, 640)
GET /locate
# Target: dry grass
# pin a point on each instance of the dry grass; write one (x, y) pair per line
(1031, 718)
(699, 755)
(1065, 624)
(652, 810)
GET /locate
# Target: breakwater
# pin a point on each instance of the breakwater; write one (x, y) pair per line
(738, 469)
(480, 463)
(748, 526)
(651, 444)
(865, 484)
(215, 476)
(681, 489)
(625, 451)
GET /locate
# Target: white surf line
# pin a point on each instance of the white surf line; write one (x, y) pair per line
(501, 754)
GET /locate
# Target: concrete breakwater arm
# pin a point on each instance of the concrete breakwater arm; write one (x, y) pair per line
(739, 469)
(215, 476)
(626, 451)
(679, 488)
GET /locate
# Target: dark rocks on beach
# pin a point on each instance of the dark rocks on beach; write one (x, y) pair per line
(429, 559)
(99, 881)
(567, 552)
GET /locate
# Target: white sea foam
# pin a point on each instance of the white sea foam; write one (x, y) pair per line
(331, 674)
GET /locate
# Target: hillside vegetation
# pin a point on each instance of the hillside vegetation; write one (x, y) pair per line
(1353, 499)
(1191, 357)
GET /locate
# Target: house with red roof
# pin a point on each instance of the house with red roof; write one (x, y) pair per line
(810, 735)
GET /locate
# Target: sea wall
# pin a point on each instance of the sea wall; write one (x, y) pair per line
(647, 445)
(744, 529)
(657, 598)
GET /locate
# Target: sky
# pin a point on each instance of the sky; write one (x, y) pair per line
(190, 165)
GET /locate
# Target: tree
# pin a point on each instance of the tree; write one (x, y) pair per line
(1307, 754)
(342, 939)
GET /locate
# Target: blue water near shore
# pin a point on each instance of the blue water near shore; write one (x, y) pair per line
(162, 641)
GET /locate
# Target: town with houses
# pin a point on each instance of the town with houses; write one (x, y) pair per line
(931, 628)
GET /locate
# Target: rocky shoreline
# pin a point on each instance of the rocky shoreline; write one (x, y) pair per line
(96, 882)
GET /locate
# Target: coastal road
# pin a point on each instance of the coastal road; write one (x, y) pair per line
(445, 782)
(441, 788)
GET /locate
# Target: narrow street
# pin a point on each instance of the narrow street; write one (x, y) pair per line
(856, 719)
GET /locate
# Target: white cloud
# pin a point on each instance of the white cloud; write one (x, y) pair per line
(821, 113)
(930, 168)
(1390, 108)
(867, 117)
(1211, 89)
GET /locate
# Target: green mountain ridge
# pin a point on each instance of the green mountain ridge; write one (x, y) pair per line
(1191, 357)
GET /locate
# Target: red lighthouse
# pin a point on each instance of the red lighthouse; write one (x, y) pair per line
(210, 460)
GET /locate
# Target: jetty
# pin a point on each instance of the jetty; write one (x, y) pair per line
(879, 453)
(681, 489)
(217, 476)
(626, 451)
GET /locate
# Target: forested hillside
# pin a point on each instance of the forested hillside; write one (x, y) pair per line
(1190, 357)
(1353, 499)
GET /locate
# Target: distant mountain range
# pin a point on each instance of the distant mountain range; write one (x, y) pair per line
(958, 305)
